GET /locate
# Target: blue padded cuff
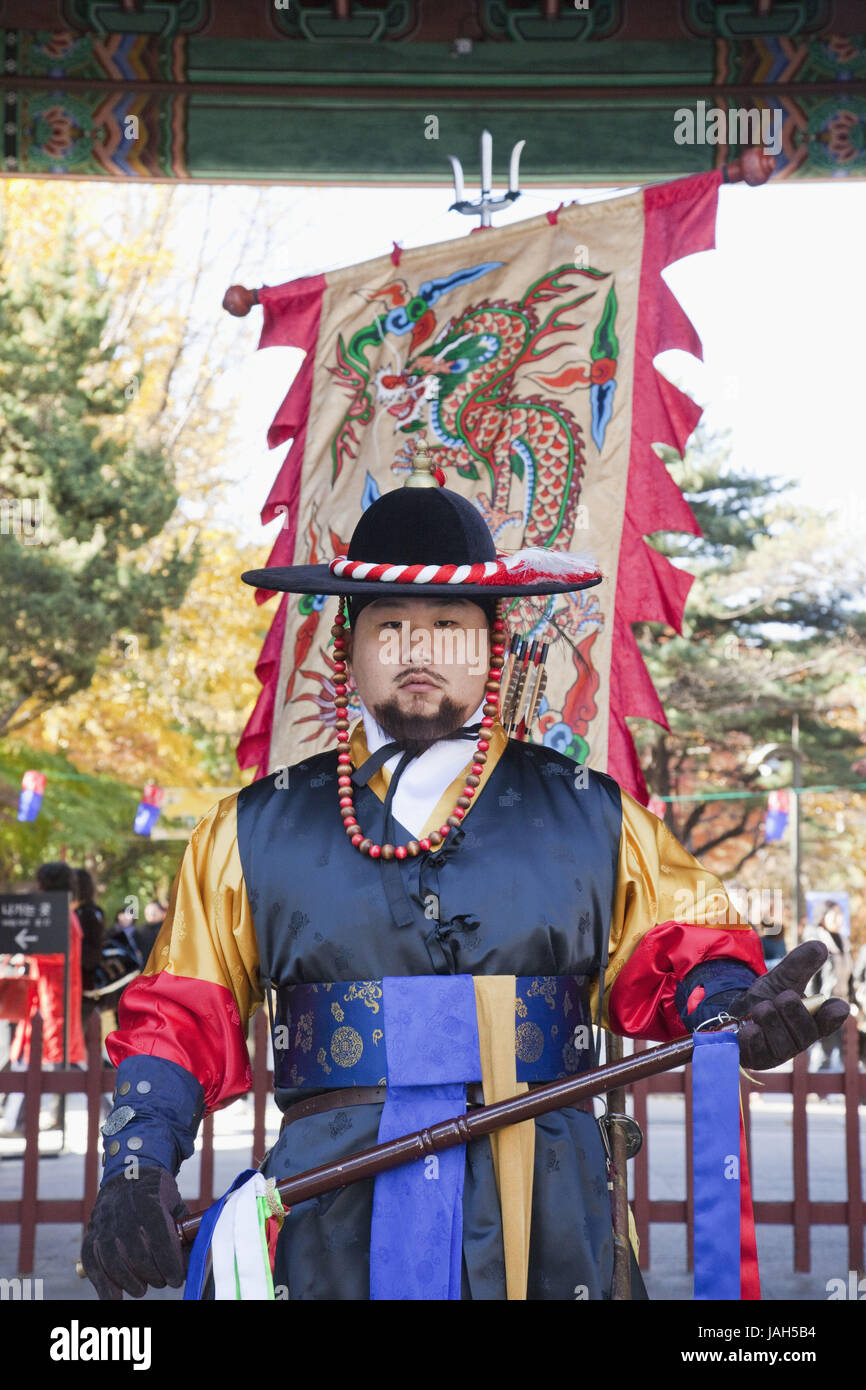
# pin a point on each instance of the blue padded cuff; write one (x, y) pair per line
(722, 981)
(157, 1109)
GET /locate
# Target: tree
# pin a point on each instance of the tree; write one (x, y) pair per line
(173, 712)
(772, 626)
(172, 715)
(152, 264)
(86, 820)
(79, 499)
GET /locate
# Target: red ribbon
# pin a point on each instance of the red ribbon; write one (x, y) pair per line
(750, 1280)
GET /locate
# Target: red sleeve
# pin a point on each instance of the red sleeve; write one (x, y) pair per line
(192, 1022)
(670, 914)
(201, 983)
(641, 1001)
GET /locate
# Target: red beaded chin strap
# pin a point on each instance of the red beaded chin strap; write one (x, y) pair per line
(344, 757)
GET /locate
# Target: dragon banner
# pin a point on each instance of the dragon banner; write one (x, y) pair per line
(526, 354)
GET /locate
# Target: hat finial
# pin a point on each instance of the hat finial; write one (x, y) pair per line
(423, 466)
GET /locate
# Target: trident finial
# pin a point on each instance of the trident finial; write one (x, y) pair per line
(486, 204)
(422, 474)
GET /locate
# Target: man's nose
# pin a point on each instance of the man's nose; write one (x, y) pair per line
(418, 645)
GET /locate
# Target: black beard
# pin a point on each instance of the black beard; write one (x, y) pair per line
(418, 732)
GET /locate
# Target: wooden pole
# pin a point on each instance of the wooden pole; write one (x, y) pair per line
(621, 1286)
(754, 167)
(447, 1134)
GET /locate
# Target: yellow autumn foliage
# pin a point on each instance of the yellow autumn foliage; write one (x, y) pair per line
(172, 715)
(143, 716)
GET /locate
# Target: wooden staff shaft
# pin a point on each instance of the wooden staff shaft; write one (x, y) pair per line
(621, 1285)
(754, 167)
(447, 1134)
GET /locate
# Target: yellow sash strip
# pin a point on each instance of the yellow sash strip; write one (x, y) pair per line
(514, 1147)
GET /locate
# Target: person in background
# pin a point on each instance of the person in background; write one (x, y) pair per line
(124, 925)
(835, 975)
(121, 961)
(772, 941)
(48, 1001)
(92, 920)
(154, 916)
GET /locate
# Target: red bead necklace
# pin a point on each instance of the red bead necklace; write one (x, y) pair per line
(344, 758)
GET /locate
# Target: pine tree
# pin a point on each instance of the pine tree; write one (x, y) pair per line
(773, 625)
(78, 495)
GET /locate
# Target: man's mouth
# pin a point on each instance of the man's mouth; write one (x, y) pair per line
(419, 683)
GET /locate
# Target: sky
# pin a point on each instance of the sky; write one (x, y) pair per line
(779, 306)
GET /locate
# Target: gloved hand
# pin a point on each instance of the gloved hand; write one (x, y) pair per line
(779, 1024)
(131, 1240)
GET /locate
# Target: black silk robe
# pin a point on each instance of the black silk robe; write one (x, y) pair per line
(524, 888)
(553, 870)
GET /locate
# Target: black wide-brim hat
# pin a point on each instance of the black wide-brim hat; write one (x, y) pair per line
(429, 542)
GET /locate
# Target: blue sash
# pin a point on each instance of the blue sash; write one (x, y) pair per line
(716, 1155)
(431, 1040)
(418, 1036)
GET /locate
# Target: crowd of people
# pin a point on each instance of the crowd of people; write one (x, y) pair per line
(842, 975)
(103, 960)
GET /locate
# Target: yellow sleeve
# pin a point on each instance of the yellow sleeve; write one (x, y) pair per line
(193, 1002)
(670, 913)
(208, 933)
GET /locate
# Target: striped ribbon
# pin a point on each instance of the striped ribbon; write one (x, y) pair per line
(234, 1241)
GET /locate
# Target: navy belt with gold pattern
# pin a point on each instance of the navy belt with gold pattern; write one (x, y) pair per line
(332, 1035)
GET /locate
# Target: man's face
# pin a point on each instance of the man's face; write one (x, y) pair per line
(420, 664)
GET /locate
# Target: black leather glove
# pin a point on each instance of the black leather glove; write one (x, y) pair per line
(779, 1025)
(131, 1240)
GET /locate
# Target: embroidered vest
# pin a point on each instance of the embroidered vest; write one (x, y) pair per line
(525, 886)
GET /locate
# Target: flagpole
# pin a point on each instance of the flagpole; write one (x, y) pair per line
(621, 1282)
(753, 167)
(796, 784)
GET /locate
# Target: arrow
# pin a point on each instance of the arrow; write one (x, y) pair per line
(22, 939)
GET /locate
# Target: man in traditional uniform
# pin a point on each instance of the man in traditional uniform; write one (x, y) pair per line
(433, 928)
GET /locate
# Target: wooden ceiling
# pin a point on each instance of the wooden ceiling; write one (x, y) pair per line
(339, 91)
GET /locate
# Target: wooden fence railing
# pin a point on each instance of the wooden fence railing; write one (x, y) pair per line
(802, 1212)
(29, 1210)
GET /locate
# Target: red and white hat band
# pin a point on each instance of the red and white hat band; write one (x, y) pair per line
(524, 567)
